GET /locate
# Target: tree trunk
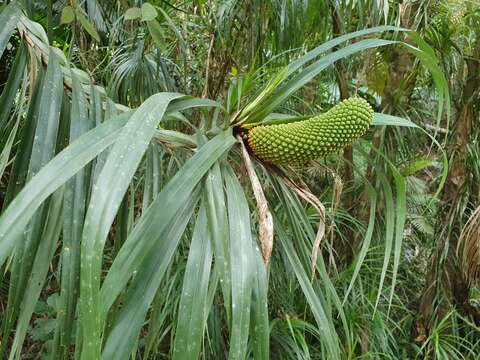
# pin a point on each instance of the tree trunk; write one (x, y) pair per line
(398, 90)
(445, 282)
(401, 63)
(343, 249)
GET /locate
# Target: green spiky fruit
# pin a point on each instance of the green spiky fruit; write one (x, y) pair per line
(310, 139)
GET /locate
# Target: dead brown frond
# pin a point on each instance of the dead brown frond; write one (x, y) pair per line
(470, 242)
(265, 220)
(304, 192)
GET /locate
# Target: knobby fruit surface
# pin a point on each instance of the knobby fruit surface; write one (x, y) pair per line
(316, 137)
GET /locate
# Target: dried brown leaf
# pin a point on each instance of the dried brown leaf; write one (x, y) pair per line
(265, 220)
(470, 242)
(304, 192)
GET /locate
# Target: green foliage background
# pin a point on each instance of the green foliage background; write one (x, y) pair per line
(131, 217)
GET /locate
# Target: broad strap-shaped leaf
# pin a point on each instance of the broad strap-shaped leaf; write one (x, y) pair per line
(75, 199)
(307, 74)
(159, 214)
(426, 54)
(331, 340)
(149, 274)
(324, 299)
(218, 224)
(193, 310)
(401, 207)
(312, 54)
(107, 194)
(9, 19)
(380, 119)
(26, 254)
(372, 195)
(242, 266)
(399, 217)
(145, 242)
(15, 77)
(45, 139)
(18, 178)
(41, 265)
(9, 125)
(153, 175)
(260, 328)
(389, 230)
(53, 175)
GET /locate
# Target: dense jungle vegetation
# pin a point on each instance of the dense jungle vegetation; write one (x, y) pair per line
(139, 220)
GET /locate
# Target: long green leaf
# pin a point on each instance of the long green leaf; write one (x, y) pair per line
(385, 119)
(152, 177)
(60, 169)
(193, 309)
(380, 119)
(401, 213)
(73, 217)
(259, 323)
(9, 19)
(426, 54)
(147, 239)
(242, 267)
(304, 233)
(11, 87)
(317, 308)
(389, 231)
(7, 148)
(401, 207)
(148, 277)
(218, 224)
(312, 54)
(6, 145)
(311, 71)
(146, 233)
(18, 178)
(43, 148)
(41, 265)
(107, 194)
(372, 194)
